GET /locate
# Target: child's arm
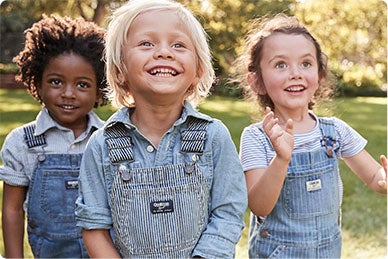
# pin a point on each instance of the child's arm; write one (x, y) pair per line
(13, 220)
(369, 170)
(99, 243)
(264, 185)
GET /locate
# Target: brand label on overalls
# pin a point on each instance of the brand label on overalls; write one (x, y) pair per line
(71, 184)
(161, 207)
(313, 185)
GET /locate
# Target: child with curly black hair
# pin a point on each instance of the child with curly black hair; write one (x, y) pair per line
(61, 65)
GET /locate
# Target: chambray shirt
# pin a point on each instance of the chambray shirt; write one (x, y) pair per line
(19, 161)
(219, 163)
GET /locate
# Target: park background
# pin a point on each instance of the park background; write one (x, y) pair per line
(351, 32)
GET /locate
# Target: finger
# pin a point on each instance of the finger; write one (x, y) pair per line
(289, 126)
(383, 160)
(382, 184)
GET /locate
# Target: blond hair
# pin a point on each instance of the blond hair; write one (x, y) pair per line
(116, 39)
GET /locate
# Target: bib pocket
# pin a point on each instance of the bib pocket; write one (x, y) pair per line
(159, 210)
(310, 193)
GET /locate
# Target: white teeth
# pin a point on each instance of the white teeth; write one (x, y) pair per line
(68, 107)
(163, 72)
(295, 89)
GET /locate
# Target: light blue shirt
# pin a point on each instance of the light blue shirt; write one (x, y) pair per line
(228, 195)
(19, 161)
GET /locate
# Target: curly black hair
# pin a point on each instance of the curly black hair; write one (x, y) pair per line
(54, 35)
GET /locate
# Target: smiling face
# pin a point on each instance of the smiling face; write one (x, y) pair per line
(160, 58)
(69, 90)
(289, 70)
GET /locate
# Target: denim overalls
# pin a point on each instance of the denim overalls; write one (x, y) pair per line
(52, 230)
(305, 220)
(159, 211)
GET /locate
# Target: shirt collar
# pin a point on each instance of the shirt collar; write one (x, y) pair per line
(44, 122)
(122, 116)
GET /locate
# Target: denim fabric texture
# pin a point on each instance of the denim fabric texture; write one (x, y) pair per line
(52, 232)
(160, 210)
(305, 220)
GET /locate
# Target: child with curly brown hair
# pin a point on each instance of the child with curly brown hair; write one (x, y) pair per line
(61, 66)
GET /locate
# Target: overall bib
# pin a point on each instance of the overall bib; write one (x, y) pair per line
(305, 220)
(53, 189)
(159, 211)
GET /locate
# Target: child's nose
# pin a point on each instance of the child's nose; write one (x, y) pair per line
(163, 51)
(295, 72)
(68, 91)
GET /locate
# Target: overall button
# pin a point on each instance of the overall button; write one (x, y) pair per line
(150, 149)
(41, 157)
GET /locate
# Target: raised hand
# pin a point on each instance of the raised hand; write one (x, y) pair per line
(282, 139)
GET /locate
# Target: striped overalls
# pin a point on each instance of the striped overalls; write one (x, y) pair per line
(305, 220)
(159, 211)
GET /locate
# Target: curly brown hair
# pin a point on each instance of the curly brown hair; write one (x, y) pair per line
(54, 35)
(248, 62)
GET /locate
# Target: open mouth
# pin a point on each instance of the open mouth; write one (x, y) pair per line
(68, 107)
(295, 89)
(163, 72)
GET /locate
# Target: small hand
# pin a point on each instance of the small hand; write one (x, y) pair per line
(383, 183)
(282, 139)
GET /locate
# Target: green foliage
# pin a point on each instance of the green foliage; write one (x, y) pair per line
(352, 32)
(354, 36)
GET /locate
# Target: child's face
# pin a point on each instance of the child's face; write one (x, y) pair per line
(69, 90)
(289, 70)
(160, 58)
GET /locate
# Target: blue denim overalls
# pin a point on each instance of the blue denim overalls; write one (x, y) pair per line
(305, 220)
(52, 230)
(159, 211)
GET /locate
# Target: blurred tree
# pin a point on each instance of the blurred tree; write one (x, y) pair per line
(353, 33)
(17, 15)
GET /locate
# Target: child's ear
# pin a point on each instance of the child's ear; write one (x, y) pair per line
(120, 77)
(254, 82)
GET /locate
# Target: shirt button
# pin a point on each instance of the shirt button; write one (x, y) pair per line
(264, 234)
(72, 146)
(150, 148)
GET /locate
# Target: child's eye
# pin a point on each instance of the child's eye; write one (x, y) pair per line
(306, 64)
(83, 85)
(146, 44)
(280, 65)
(56, 82)
(178, 45)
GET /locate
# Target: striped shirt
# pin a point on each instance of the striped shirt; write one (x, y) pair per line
(254, 144)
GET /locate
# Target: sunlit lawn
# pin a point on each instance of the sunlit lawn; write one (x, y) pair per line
(364, 212)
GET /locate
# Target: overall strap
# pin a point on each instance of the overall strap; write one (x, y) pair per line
(193, 139)
(29, 137)
(119, 143)
(329, 136)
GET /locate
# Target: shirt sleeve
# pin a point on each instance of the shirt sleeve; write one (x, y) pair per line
(228, 198)
(255, 150)
(350, 141)
(92, 207)
(15, 162)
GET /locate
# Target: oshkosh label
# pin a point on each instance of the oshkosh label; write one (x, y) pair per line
(162, 207)
(71, 184)
(313, 185)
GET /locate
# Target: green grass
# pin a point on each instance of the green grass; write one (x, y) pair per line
(364, 218)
